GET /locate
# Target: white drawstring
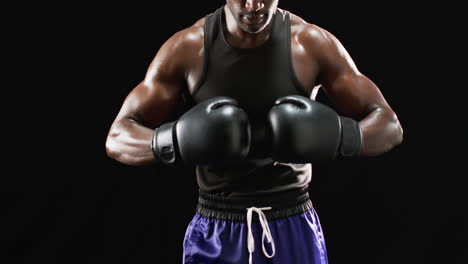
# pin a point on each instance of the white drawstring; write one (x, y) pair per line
(266, 232)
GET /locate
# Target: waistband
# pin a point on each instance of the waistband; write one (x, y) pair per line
(282, 205)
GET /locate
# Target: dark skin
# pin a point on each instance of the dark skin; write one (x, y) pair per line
(318, 59)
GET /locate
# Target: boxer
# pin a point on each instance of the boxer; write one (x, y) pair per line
(250, 71)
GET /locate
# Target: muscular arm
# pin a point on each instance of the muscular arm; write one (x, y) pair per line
(149, 103)
(354, 94)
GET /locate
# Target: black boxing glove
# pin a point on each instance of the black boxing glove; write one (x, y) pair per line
(214, 131)
(302, 131)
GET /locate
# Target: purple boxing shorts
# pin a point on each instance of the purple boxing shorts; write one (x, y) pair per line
(278, 229)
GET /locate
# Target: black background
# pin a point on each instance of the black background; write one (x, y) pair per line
(67, 68)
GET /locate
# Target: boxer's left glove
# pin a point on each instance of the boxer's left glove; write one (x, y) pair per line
(212, 132)
(303, 131)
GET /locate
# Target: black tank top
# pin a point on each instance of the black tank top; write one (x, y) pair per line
(255, 77)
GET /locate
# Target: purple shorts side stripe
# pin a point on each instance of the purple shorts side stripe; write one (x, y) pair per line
(298, 239)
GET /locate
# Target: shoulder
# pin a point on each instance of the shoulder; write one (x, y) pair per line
(315, 41)
(179, 52)
(310, 34)
(182, 48)
(188, 38)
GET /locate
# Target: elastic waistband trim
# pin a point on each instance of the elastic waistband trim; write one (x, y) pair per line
(282, 205)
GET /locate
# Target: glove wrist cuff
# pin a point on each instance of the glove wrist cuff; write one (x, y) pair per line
(351, 138)
(163, 144)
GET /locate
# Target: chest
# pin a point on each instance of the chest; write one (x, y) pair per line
(304, 69)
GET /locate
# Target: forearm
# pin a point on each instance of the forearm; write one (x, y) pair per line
(130, 143)
(381, 132)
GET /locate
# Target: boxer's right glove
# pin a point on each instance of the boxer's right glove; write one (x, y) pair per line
(302, 131)
(212, 132)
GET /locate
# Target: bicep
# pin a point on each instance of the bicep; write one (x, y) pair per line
(153, 99)
(352, 92)
(150, 103)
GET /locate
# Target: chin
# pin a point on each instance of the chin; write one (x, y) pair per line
(253, 29)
